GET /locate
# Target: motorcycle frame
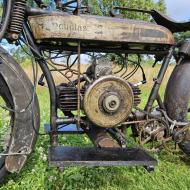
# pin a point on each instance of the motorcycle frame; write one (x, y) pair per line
(154, 94)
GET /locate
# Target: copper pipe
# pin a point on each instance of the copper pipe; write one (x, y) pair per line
(100, 137)
(78, 86)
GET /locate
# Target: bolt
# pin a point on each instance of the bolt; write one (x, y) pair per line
(112, 103)
(14, 36)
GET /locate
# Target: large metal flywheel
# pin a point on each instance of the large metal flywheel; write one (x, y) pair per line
(108, 101)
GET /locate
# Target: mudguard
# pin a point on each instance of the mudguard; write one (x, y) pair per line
(23, 135)
(177, 97)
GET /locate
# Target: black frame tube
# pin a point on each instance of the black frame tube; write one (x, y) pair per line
(154, 92)
(50, 83)
(7, 16)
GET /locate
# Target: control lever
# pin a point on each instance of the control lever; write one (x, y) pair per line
(41, 82)
(157, 59)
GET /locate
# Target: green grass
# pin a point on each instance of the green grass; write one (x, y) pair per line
(172, 172)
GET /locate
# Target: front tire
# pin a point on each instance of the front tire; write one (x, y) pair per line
(16, 90)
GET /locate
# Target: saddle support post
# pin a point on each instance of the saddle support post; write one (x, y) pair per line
(157, 81)
(78, 6)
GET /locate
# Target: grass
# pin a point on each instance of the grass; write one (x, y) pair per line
(172, 172)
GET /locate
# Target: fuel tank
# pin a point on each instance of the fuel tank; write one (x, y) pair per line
(97, 32)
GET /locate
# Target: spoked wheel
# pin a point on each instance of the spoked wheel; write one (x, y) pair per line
(177, 100)
(6, 124)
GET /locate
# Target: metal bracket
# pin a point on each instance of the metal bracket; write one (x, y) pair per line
(76, 156)
(61, 129)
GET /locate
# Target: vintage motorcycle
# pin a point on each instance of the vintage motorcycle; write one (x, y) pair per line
(100, 102)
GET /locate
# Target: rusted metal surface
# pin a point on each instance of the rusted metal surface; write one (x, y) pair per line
(94, 28)
(178, 92)
(75, 156)
(108, 101)
(17, 19)
(177, 97)
(23, 135)
(67, 97)
(79, 84)
(100, 137)
(153, 132)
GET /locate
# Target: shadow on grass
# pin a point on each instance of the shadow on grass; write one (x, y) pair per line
(185, 159)
(91, 178)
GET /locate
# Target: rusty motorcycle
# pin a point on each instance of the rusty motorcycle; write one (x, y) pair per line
(100, 101)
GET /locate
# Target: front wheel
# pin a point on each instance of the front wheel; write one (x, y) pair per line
(177, 99)
(17, 134)
(6, 123)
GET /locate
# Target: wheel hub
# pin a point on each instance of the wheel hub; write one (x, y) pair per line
(111, 103)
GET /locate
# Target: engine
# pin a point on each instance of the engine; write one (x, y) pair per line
(107, 100)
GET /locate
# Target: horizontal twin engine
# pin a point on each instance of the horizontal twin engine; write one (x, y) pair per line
(67, 97)
(106, 102)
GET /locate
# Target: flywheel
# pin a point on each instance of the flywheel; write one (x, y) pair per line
(108, 101)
